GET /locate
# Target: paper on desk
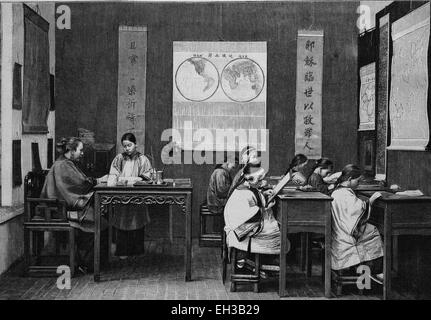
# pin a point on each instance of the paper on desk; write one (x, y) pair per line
(410, 193)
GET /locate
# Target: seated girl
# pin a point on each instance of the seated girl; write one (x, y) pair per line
(250, 224)
(323, 168)
(130, 220)
(354, 240)
(248, 158)
(297, 170)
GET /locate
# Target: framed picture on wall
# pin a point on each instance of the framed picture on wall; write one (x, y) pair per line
(17, 87)
(368, 155)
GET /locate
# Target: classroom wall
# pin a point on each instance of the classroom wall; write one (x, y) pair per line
(411, 170)
(11, 242)
(87, 66)
(370, 9)
(11, 219)
(46, 10)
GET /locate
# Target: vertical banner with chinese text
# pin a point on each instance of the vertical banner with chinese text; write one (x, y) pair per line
(308, 129)
(132, 67)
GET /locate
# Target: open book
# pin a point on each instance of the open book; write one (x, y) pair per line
(279, 187)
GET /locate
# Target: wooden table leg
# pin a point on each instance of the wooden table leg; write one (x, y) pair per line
(72, 251)
(97, 237)
(387, 256)
(308, 255)
(283, 245)
(395, 254)
(328, 230)
(302, 256)
(110, 216)
(27, 252)
(188, 246)
(171, 228)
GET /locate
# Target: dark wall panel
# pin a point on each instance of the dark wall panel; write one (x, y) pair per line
(87, 65)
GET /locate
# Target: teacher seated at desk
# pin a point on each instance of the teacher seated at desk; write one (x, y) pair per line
(66, 181)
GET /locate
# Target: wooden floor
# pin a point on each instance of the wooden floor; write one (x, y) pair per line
(159, 274)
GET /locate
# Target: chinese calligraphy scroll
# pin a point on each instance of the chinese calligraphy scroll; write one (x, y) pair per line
(132, 68)
(408, 109)
(367, 102)
(308, 132)
(219, 90)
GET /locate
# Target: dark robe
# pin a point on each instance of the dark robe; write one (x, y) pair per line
(65, 181)
(316, 181)
(218, 188)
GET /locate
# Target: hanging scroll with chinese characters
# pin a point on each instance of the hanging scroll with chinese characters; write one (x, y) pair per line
(367, 102)
(132, 69)
(408, 108)
(219, 94)
(308, 132)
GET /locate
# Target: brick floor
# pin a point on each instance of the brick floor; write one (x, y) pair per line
(159, 274)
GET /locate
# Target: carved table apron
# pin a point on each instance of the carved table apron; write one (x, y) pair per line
(105, 197)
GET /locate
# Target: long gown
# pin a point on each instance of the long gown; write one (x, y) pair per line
(317, 182)
(354, 241)
(240, 208)
(66, 181)
(218, 188)
(129, 220)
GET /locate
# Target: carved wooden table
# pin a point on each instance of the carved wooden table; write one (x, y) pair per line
(106, 197)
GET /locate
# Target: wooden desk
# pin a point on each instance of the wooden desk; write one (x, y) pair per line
(396, 215)
(105, 197)
(304, 212)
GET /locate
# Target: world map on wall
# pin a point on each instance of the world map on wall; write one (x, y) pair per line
(242, 80)
(197, 79)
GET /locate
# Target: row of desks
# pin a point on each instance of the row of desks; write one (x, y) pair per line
(298, 211)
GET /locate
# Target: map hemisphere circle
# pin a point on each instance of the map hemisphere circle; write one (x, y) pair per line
(188, 81)
(230, 92)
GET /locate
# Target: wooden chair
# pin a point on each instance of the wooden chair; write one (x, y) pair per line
(213, 238)
(237, 277)
(340, 280)
(43, 215)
